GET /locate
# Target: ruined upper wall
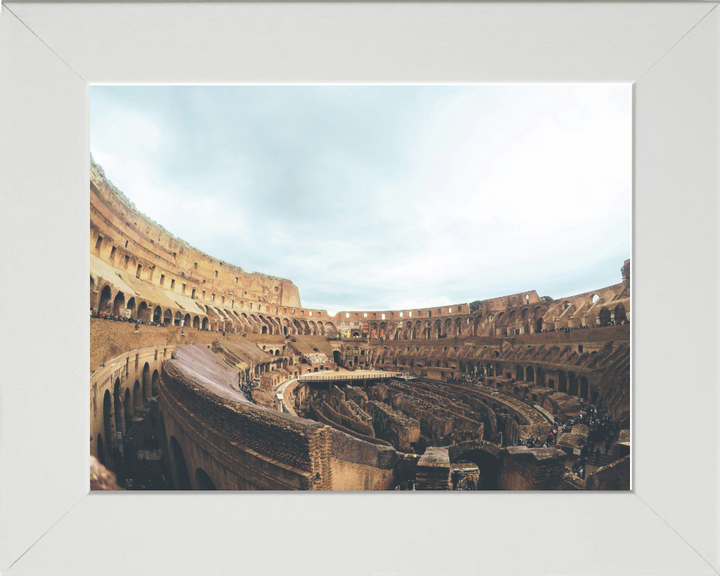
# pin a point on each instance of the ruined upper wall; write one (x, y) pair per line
(125, 238)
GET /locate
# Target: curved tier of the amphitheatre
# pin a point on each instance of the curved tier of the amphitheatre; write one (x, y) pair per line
(253, 391)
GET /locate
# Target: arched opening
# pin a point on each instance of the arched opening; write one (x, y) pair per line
(540, 377)
(529, 374)
(263, 331)
(573, 390)
(101, 450)
(146, 382)
(595, 298)
(118, 406)
(486, 463)
(131, 306)
(196, 322)
(157, 315)
(205, 323)
(620, 314)
(104, 300)
(167, 317)
(178, 318)
(604, 316)
(137, 396)
(584, 387)
(518, 373)
(155, 390)
(143, 312)
(562, 382)
(182, 476)
(538, 325)
(203, 481)
(187, 320)
(108, 420)
(128, 409)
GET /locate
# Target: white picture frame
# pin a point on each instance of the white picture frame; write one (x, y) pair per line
(49, 55)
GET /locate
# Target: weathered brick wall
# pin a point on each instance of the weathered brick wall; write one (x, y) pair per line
(394, 426)
(615, 476)
(109, 339)
(531, 469)
(282, 441)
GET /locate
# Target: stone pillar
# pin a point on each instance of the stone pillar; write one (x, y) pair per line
(433, 470)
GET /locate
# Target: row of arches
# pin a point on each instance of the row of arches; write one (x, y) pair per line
(211, 317)
(120, 406)
(181, 473)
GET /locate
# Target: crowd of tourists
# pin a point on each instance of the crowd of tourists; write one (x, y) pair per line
(118, 318)
(601, 429)
(465, 379)
(568, 329)
(138, 321)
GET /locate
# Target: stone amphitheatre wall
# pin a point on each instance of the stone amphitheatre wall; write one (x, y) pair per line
(250, 447)
(141, 270)
(593, 364)
(241, 446)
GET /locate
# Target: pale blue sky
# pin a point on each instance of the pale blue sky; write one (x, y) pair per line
(383, 197)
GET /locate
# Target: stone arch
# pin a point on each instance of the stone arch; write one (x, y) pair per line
(146, 383)
(584, 388)
(137, 396)
(101, 450)
(187, 321)
(118, 304)
(529, 374)
(196, 322)
(205, 323)
(458, 327)
(154, 383)
(619, 313)
(538, 325)
(131, 306)
(179, 466)
(178, 318)
(330, 329)
(203, 480)
(485, 456)
(108, 420)
(167, 317)
(105, 297)
(128, 402)
(603, 316)
(143, 312)
(573, 388)
(157, 315)
(562, 381)
(118, 406)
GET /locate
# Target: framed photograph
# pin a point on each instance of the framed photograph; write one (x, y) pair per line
(666, 54)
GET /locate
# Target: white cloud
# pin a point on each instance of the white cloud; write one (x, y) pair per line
(384, 197)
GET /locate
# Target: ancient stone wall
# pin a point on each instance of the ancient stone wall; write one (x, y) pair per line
(524, 468)
(393, 426)
(262, 448)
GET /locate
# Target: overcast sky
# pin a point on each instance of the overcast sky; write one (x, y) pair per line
(383, 197)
